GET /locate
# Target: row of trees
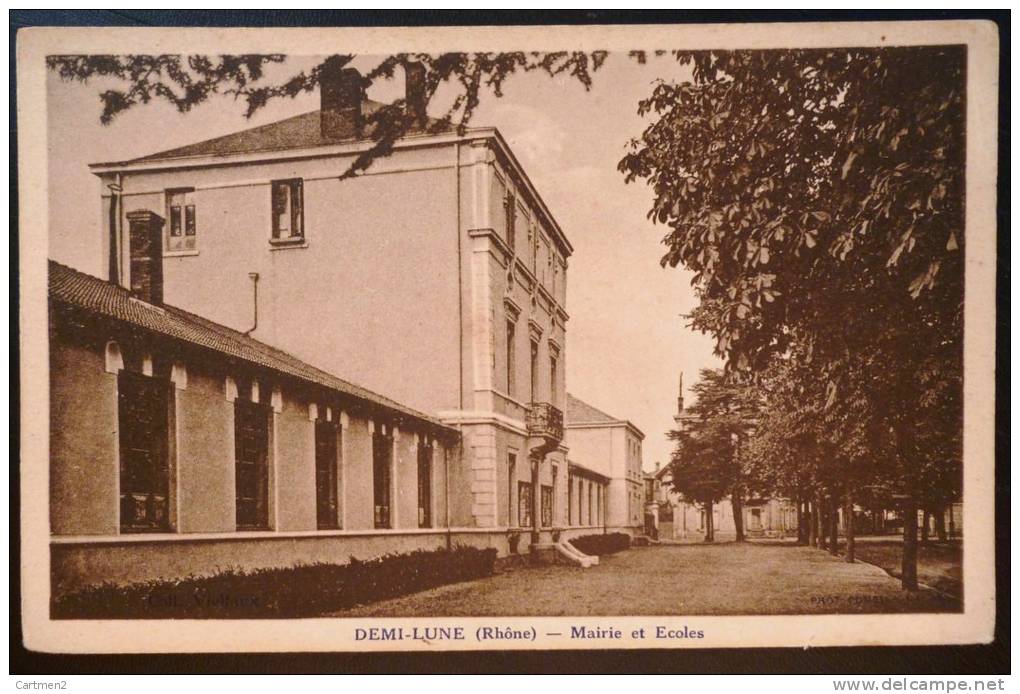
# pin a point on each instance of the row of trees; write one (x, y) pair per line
(817, 197)
(776, 436)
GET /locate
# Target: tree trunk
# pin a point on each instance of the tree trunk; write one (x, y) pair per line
(833, 525)
(812, 529)
(908, 577)
(737, 502)
(824, 522)
(906, 453)
(848, 514)
(940, 524)
(709, 523)
(952, 524)
(819, 522)
(925, 527)
(801, 534)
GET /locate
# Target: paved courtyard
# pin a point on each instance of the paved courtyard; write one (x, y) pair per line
(697, 579)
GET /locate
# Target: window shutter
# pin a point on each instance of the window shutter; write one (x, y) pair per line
(297, 211)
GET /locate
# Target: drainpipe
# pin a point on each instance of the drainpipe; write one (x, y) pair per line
(114, 260)
(255, 289)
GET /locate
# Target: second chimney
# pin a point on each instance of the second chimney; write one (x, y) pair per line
(342, 91)
(414, 94)
(145, 239)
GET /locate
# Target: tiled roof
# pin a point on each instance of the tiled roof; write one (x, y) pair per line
(76, 289)
(580, 412)
(296, 132)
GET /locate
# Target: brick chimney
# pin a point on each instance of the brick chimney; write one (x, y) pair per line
(145, 239)
(342, 91)
(414, 94)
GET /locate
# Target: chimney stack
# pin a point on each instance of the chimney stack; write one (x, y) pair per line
(414, 94)
(145, 239)
(342, 91)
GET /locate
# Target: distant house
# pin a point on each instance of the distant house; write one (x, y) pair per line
(762, 517)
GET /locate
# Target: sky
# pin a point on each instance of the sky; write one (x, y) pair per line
(627, 341)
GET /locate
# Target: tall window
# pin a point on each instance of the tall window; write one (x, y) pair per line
(534, 370)
(382, 465)
(251, 465)
(327, 505)
(570, 501)
(511, 358)
(553, 376)
(524, 504)
(547, 506)
(424, 485)
(143, 413)
(183, 227)
(511, 466)
(534, 248)
(510, 204)
(288, 210)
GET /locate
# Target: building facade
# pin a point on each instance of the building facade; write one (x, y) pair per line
(612, 448)
(437, 276)
(676, 518)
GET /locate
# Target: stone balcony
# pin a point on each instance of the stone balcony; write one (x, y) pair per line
(545, 421)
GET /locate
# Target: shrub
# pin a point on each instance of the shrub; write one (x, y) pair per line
(305, 590)
(602, 544)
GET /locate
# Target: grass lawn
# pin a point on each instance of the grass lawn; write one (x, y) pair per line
(939, 564)
(696, 579)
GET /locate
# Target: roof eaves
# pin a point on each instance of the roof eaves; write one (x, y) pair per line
(244, 347)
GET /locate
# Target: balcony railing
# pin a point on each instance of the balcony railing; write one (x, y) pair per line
(545, 420)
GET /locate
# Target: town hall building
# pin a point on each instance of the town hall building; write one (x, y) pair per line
(201, 412)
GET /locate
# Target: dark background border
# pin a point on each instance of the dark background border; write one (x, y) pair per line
(990, 659)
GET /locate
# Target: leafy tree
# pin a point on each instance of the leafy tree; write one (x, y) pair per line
(817, 197)
(707, 465)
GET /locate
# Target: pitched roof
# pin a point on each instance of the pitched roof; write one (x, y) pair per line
(76, 289)
(580, 412)
(296, 132)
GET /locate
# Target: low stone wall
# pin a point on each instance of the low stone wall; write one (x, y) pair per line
(77, 563)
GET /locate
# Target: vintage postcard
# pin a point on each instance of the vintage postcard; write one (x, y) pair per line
(484, 338)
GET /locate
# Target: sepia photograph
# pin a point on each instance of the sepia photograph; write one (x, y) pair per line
(536, 338)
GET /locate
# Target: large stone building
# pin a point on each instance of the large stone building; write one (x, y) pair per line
(436, 277)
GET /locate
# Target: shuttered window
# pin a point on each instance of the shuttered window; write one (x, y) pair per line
(143, 415)
(382, 466)
(251, 465)
(327, 507)
(182, 227)
(547, 506)
(288, 210)
(524, 504)
(425, 485)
